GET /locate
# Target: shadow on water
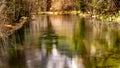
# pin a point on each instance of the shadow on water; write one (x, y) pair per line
(62, 41)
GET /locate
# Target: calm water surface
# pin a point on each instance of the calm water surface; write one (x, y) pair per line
(63, 41)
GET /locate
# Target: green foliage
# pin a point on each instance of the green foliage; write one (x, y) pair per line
(80, 5)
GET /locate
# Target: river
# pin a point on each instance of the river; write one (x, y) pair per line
(62, 41)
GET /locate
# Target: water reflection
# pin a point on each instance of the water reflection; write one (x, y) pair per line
(62, 41)
(56, 60)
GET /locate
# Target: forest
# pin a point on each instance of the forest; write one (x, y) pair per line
(13, 10)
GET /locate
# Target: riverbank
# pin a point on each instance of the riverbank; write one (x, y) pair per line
(103, 17)
(115, 17)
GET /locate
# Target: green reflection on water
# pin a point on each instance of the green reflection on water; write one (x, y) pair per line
(78, 38)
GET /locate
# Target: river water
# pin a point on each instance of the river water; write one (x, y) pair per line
(62, 41)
